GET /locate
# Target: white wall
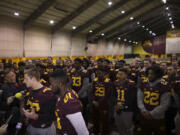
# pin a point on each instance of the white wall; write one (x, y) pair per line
(38, 42)
(172, 45)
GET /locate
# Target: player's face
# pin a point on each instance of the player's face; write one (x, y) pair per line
(121, 76)
(147, 64)
(170, 70)
(27, 81)
(151, 76)
(11, 77)
(54, 86)
(77, 64)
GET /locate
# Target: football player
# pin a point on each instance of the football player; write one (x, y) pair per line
(40, 106)
(68, 108)
(101, 93)
(124, 95)
(153, 100)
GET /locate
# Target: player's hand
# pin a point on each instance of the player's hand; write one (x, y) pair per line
(96, 104)
(3, 129)
(147, 115)
(10, 100)
(119, 106)
(30, 114)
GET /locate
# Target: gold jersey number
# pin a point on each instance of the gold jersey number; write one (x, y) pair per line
(151, 98)
(100, 91)
(121, 95)
(76, 81)
(33, 105)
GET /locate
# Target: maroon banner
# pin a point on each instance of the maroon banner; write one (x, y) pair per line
(156, 45)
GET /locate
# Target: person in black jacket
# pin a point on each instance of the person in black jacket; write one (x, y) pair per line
(10, 88)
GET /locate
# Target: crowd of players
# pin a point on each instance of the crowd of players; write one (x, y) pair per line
(41, 98)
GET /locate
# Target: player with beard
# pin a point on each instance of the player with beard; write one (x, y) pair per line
(79, 81)
(40, 104)
(68, 108)
(153, 100)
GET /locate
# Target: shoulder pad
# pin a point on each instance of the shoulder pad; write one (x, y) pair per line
(72, 70)
(28, 93)
(131, 81)
(42, 80)
(107, 80)
(144, 80)
(164, 82)
(46, 89)
(165, 76)
(111, 69)
(95, 79)
(84, 71)
(133, 74)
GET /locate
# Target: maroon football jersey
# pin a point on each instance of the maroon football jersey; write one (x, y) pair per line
(69, 104)
(40, 100)
(142, 75)
(77, 77)
(101, 92)
(125, 93)
(152, 95)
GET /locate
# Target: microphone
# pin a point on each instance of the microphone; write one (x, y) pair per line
(18, 127)
(14, 112)
(20, 94)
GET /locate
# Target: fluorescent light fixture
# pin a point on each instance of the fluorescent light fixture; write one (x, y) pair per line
(102, 34)
(119, 38)
(131, 18)
(90, 31)
(16, 13)
(138, 23)
(122, 11)
(110, 3)
(74, 27)
(51, 21)
(164, 1)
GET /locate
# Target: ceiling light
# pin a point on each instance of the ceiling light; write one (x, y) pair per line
(102, 34)
(172, 26)
(90, 31)
(125, 40)
(169, 14)
(138, 23)
(164, 1)
(130, 41)
(167, 8)
(150, 32)
(122, 11)
(143, 26)
(154, 34)
(51, 21)
(16, 13)
(74, 27)
(136, 42)
(119, 38)
(170, 18)
(110, 3)
(131, 18)
(147, 29)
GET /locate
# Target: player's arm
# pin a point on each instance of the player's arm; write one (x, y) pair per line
(140, 99)
(78, 123)
(164, 103)
(177, 99)
(84, 88)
